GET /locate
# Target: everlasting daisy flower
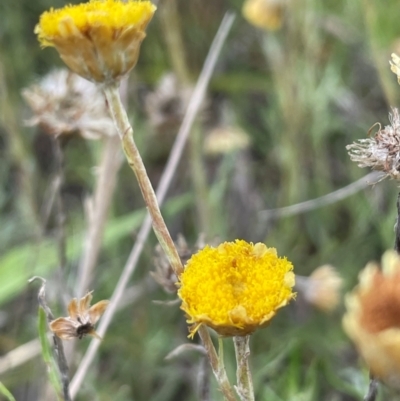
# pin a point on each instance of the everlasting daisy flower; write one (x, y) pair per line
(81, 320)
(372, 320)
(99, 40)
(265, 14)
(382, 151)
(235, 288)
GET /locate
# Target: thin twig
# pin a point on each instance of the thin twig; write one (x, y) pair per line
(328, 199)
(58, 345)
(165, 181)
(397, 227)
(98, 210)
(372, 390)
(61, 217)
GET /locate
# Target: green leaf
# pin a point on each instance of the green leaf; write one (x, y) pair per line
(6, 393)
(47, 354)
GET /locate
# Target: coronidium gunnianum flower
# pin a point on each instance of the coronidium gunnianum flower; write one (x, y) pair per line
(81, 320)
(99, 40)
(372, 319)
(265, 14)
(235, 288)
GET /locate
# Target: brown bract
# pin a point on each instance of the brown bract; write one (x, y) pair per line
(372, 320)
(81, 320)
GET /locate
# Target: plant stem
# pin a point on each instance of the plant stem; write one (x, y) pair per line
(100, 204)
(134, 159)
(217, 365)
(244, 386)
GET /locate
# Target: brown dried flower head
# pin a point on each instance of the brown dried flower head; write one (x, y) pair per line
(63, 103)
(164, 275)
(81, 320)
(372, 319)
(166, 105)
(382, 151)
(321, 288)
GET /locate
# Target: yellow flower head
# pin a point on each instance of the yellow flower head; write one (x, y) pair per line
(99, 40)
(265, 14)
(235, 288)
(372, 319)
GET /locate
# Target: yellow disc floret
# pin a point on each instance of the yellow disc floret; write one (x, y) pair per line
(99, 40)
(236, 287)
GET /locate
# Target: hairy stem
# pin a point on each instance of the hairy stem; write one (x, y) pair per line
(244, 385)
(134, 159)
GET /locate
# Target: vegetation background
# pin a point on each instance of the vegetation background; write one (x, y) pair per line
(301, 93)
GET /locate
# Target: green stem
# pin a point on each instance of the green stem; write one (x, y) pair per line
(244, 386)
(135, 161)
(217, 364)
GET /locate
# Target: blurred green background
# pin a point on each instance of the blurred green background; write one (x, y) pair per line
(301, 93)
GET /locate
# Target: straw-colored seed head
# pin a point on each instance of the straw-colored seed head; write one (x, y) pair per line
(265, 14)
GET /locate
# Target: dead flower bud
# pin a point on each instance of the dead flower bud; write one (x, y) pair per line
(382, 151)
(164, 274)
(166, 105)
(81, 320)
(63, 103)
(321, 288)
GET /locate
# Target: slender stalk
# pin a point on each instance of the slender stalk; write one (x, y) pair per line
(165, 181)
(217, 365)
(58, 344)
(100, 204)
(372, 390)
(135, 161)
(244, 385)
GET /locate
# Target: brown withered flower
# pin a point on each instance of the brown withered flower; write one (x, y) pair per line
(63, 103)
(381, 152)
(372, 319)
(81, 320)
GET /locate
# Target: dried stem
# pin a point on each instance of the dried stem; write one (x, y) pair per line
(217, 365)
(135, 161)
(397, 227)
(58, 345)
(98, 212)
(324, 200)
(244, 385)
(372, 390)
(165, 181)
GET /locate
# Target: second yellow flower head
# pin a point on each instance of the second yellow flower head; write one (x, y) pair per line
(235, 288)
(99, 40)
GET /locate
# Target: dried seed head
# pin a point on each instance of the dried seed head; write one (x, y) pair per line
(382, 151)
(81, 320)
(63, 103)
(166, 105)
(164, 274)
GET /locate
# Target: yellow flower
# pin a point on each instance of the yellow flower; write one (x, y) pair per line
(372, 320)
(235, 288)
(99, 40)
(265, 14)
